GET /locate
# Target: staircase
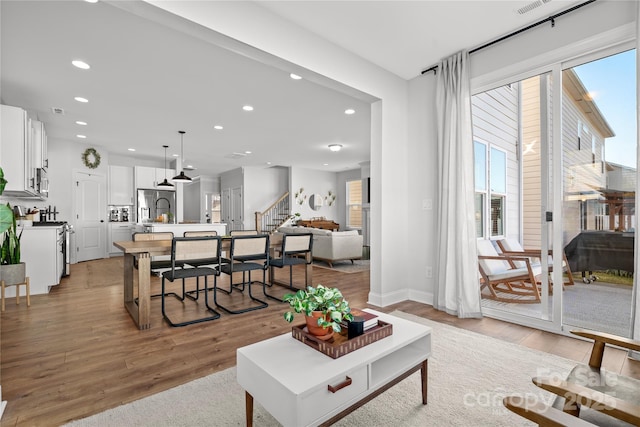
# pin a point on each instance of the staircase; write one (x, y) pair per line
(276, 215)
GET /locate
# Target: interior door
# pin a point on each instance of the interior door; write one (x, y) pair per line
(236, 209)
(90, 213)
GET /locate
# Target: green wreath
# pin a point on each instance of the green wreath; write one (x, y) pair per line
(91, 158)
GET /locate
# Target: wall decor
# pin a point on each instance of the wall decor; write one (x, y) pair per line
(300, 198)
(330, 198)
(91, 158)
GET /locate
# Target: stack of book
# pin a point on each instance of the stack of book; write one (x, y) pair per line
(370, 320)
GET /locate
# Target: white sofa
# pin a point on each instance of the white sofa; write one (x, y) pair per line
(330, 246)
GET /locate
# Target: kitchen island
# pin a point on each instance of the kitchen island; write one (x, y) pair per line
(179, 229)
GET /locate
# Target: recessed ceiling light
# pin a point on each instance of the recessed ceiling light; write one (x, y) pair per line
(81, 123)
(335, 147)
(176, 155)
(325, 164)
(247, 152)
(91, 1)
(81, 99)
(218, 127)
(131, 149)
(295, 76)
(349, 111)
(81, 136)
(268, 163)
(247, 108)
(81, 64)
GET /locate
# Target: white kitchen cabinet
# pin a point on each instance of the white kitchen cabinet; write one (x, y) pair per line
(40, 148)
(118, 232)
(121, 186)
(147, 177)
(41, 251)
(16, 152)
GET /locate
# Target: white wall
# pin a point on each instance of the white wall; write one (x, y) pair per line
(313, 182)
(262, 187)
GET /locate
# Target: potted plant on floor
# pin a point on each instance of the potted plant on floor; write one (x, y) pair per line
(12, 271)
(324, 308)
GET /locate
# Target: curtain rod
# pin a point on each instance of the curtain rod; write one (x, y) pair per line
(551, 19)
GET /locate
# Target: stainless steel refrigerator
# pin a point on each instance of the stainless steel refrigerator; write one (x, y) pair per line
(153, 204)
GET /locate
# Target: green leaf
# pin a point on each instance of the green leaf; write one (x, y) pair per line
(6, 218)
(3, 181)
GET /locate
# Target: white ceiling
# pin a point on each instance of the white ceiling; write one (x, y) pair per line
(147, 81)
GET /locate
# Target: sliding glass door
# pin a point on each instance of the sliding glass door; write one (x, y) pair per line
(512, 128)
(555, 174)
(599, 183)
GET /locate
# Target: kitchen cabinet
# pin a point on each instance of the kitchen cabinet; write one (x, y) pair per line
(39, 144)
(16, 152)
(121, 186)
(41, 251)
(147, 177)
(118, 232)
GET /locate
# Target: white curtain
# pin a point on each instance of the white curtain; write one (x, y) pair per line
(457, 289)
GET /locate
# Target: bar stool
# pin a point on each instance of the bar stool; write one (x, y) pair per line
(3, 285)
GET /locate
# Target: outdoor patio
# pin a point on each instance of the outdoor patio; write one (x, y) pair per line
(599, 306)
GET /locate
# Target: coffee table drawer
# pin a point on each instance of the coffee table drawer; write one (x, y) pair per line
(322, 401)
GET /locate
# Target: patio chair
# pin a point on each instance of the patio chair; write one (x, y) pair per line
(513, 247)
(594, 394)
(505, 282)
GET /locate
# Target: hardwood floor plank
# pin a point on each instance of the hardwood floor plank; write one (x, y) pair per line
(75, 352)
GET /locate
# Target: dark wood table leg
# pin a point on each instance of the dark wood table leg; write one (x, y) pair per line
(424, 371)
(249, 408)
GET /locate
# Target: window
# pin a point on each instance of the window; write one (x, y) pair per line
(213, 208)
(480, 172)
(354, 204)
(496, 182)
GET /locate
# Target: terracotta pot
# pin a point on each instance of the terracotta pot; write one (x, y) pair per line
(312, 325)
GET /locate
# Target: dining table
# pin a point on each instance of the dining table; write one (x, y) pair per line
(139, 306)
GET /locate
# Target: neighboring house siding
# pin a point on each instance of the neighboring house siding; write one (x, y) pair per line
(583, 176)
(495, 122)
(531, 175)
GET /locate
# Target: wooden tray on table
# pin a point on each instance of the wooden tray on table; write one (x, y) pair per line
(339, 345)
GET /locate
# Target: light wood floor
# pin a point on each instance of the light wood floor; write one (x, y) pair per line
(75, 352)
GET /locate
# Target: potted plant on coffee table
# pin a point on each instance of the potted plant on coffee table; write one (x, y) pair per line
(324, 308)
(12, 271)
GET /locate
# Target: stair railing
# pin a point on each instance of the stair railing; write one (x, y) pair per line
(274, 216)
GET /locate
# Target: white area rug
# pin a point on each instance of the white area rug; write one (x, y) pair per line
(469, 374)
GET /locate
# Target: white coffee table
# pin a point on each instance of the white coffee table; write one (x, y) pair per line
(300, 386)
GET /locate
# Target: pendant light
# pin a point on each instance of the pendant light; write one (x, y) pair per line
(165, 183)
(182, 177)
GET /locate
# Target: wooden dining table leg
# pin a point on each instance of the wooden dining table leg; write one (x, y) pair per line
(144, 291)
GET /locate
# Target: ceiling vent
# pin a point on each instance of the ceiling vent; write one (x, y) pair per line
(235, 156)
(57, 110)
(533, 5)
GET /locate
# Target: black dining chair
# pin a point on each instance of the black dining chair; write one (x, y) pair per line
(191, 248)
(295, 250)
(247, 253)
